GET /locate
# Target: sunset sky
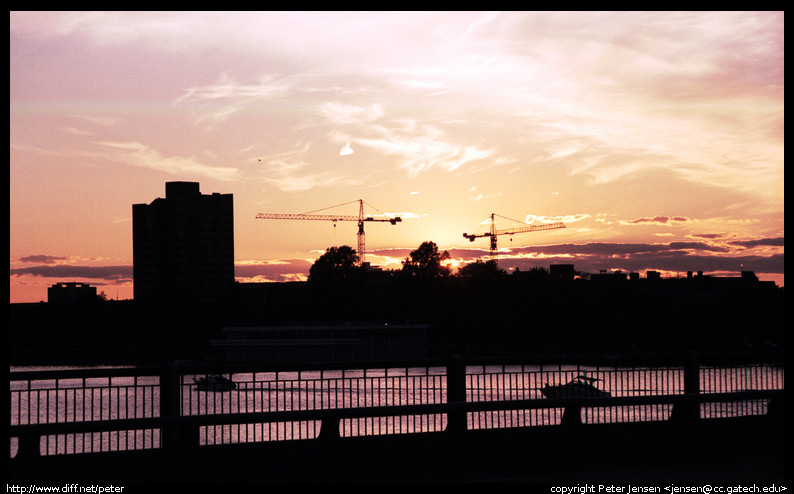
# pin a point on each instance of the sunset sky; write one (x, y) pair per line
(657, 137)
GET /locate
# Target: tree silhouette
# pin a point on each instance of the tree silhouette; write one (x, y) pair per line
(426, 262)
(480, 269)
(337, 264)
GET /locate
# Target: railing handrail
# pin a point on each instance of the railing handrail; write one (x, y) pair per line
(644, 360)
(742, 358)
(384, 411)
(92, 372)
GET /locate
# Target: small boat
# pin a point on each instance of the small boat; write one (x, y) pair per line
(579, 387)
(214, 382)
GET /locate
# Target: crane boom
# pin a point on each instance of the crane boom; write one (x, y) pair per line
(494, 233)
(361, 218)
(533, 228)
(328, 217)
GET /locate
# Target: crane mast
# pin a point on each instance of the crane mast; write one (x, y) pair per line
(361, 218)
(494, 233)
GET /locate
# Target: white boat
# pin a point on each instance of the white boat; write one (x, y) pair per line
(214, 382)
(579, 387)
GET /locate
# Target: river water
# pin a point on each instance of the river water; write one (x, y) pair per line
(138, 396)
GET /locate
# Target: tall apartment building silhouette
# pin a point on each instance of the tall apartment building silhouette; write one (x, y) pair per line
(183, 246)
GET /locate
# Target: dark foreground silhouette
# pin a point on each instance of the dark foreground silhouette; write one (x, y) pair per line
(502, 315)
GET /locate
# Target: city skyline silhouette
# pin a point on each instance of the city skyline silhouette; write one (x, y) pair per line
(659, 149)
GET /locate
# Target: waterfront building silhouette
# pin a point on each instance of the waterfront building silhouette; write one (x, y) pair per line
(69, 293)
(183, 245)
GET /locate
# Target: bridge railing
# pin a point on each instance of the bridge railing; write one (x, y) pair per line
(77, 411)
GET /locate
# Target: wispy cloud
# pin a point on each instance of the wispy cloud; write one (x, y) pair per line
(43, 259)
(110, 273)
(424, 149)
(763, 242)
(417, 145)
(281, 270)
(219, 101)
(295, 182)
(336, 112)
(658, 220)
(227, 88)
(141, 155)
(567, 219)
(290, 172)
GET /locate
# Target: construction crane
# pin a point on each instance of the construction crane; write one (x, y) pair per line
(361, 219)
(494, 233)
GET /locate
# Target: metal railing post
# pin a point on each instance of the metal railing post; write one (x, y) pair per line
(329, 428)
(28, 446)
(689, 410)
(173, 434)
(572, 415)
(456, 393)
(775, 408)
